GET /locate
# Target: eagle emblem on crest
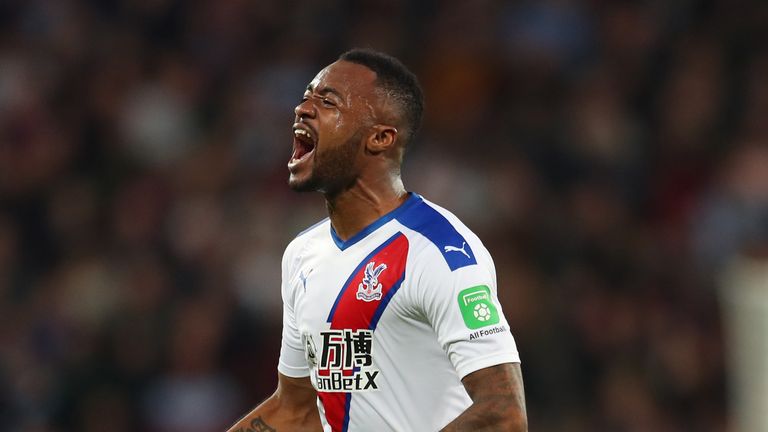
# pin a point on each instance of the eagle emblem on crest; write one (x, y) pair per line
(370, 289)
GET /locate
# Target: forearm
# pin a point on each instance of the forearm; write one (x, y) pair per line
(275, 414)
(254, 421)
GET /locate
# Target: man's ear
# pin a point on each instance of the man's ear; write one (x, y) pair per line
(383, 139)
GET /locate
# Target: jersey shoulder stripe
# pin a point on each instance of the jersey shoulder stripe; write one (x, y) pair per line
(427, 221)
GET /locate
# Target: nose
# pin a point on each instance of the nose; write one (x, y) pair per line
(305, 109)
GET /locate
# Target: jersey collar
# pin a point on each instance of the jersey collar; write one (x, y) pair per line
(412, 199)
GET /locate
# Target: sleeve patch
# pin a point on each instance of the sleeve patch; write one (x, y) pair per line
(477, 307)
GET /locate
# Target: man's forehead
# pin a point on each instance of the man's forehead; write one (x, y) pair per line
(346, 77)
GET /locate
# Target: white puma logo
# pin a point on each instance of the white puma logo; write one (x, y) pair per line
(455, 249)
(304, 277)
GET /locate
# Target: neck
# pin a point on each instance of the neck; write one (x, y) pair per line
(357, 207)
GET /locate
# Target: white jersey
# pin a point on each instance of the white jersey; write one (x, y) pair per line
(387, 323)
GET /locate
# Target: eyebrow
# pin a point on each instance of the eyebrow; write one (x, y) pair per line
(325, 90)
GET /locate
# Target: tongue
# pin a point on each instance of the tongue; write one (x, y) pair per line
(302, 148)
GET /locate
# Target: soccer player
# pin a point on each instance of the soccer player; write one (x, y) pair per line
(391, 320)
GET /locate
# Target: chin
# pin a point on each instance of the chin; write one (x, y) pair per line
(302, 185)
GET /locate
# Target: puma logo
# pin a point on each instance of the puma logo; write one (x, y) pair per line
(455, 249)
(304, 277)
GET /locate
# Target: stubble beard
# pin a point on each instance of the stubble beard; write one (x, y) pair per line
(334, 171)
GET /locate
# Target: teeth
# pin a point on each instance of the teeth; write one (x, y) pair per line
(301, 132)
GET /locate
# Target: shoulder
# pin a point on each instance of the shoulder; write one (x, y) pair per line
(304, 238)
(444, 235)
(313, 229)
(293, 256)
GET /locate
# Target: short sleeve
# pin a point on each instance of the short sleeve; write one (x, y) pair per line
(292, 361)
(462, 307)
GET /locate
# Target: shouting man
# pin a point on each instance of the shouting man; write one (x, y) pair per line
(391, 320)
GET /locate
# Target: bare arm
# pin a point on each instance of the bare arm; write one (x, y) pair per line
(291, 408)
(498, 401)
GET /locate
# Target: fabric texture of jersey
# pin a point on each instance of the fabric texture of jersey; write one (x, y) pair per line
(388, 322)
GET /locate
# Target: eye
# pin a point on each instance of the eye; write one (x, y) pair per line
(328, 102)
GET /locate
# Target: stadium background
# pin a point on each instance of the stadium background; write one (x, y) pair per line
(612, 155)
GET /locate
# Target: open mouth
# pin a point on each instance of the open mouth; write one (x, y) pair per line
(303, 144)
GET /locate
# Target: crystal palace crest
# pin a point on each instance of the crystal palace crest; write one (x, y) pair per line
(370, 289)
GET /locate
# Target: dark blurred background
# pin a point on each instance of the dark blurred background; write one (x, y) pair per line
(613, 155)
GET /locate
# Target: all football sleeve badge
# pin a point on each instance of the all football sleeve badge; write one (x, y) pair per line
(477, 308)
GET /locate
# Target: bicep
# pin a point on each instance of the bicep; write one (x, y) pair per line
(296, 392)
(500, 386)
(497, 401)
(291, 407)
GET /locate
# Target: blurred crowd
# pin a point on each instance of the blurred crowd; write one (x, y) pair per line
(613, 156)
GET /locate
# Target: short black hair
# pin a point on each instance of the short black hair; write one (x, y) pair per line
(399, 83)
